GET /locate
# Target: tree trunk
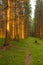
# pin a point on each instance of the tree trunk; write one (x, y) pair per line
(7, 37)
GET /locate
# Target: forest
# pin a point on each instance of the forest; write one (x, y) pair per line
(21, 36)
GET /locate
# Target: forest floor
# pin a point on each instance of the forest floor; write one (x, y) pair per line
(24, 52)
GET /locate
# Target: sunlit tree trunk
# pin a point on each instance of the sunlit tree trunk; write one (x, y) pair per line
(7, 37)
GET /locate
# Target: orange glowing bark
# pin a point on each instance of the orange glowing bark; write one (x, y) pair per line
(8, 15)
(7, 39)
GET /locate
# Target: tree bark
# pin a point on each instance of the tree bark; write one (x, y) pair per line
(7, 36)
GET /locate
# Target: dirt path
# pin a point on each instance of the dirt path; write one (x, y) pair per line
(28, 56)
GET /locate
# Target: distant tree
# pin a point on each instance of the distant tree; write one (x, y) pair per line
(27, 19)
(21, 17)
(38, 20)
(2, 19)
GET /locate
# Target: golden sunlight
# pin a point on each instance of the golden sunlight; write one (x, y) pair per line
(8, 26)
(8, 15)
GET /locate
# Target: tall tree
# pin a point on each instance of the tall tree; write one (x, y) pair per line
(7, 37)
(39, 19)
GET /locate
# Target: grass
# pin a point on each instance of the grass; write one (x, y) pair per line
(36, 51)
(17, 54)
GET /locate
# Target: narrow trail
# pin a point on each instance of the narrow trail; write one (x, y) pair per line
(28, 56)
